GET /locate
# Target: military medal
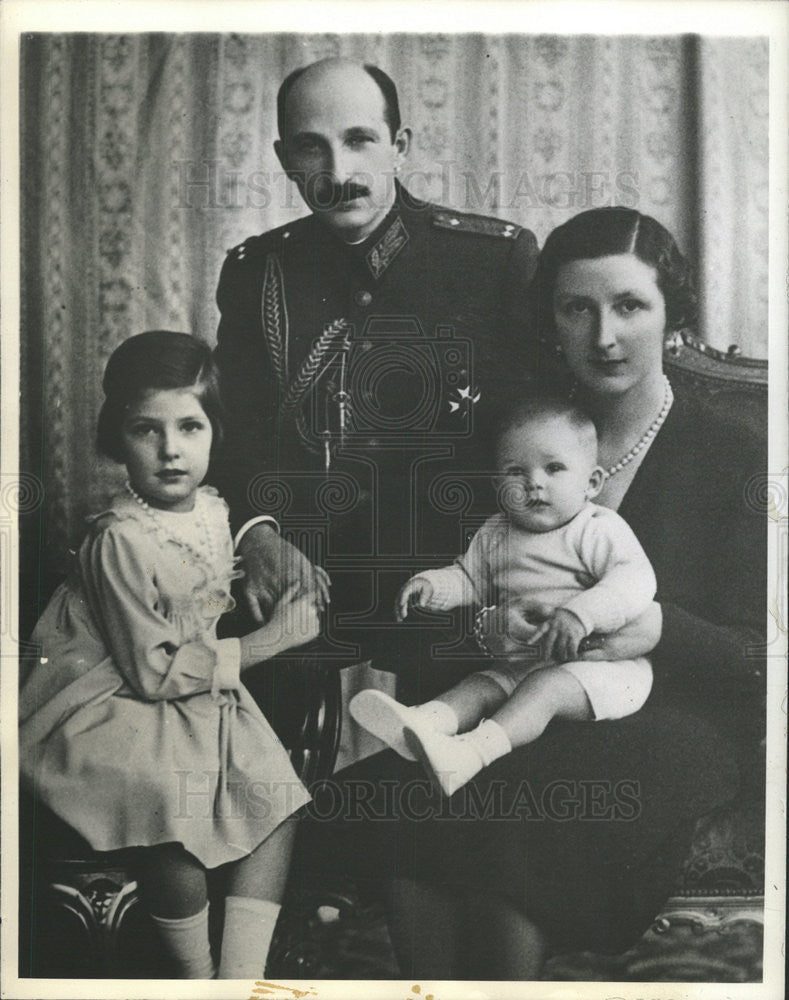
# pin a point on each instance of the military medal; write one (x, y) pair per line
(333, 342)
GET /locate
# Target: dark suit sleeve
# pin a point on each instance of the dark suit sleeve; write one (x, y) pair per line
(719, 632)
(511, 357)
(507, 359)
(712, 646)
(245, 374)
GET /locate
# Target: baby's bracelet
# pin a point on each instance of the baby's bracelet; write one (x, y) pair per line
(479, 627)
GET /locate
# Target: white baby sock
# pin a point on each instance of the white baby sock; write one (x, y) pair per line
(186, 942)
(246, 938)
(491, 741)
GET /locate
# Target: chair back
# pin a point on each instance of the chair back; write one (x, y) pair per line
(733, 385)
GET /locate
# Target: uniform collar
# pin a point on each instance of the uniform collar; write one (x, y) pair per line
(376, 254)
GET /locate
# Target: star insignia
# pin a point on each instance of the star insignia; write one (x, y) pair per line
(467, 397)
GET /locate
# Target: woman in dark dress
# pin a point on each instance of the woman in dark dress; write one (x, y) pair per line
(574, 840)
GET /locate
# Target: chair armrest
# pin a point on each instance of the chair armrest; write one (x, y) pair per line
(315, 749)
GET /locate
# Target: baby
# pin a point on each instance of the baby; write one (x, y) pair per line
(551, 548)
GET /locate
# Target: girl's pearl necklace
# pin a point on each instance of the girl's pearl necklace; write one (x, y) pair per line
(648, 435)
(206, 552)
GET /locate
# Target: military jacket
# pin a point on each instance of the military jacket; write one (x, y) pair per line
(350, 453)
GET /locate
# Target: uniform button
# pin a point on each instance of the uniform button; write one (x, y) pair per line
(365, 345)
(363, 298)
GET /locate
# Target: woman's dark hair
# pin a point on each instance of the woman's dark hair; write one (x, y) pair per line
(156, 359)
(385, 84)
(603, 232)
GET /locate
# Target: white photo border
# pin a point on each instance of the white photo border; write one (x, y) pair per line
(729, 18)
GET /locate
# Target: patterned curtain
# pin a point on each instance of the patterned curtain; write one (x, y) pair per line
(144, 157)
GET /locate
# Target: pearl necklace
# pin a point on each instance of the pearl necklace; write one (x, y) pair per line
(647, 436)
(206, 553)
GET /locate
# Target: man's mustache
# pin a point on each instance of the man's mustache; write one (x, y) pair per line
(326, 194)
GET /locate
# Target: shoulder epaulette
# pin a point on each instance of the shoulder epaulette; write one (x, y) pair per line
(271, 239)
(482, 225)
(240, 252)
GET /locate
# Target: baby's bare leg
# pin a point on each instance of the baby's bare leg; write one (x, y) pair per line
(549, 693)
(475, 698)
(544, 694)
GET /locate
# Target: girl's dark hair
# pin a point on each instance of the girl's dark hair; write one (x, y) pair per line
(156, 359)
(602, 232)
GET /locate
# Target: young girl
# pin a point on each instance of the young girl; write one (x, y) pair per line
(135, 726)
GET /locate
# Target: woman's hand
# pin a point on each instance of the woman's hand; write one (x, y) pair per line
(637, 638)
(415, 593)
(272, 566)
(294, 622)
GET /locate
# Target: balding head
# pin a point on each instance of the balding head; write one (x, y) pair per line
(383, 80)
(338, 146)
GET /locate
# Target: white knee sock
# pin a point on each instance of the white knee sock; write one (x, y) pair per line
(438, 715)
(490, 740)
(186, 941)
(246, 938)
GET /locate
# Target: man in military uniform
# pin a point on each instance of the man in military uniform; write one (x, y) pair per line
(353, 347)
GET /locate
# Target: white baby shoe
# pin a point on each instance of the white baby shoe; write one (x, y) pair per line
(385, 718)
(450, 761)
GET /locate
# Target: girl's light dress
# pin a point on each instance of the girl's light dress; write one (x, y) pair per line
(135, 726)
